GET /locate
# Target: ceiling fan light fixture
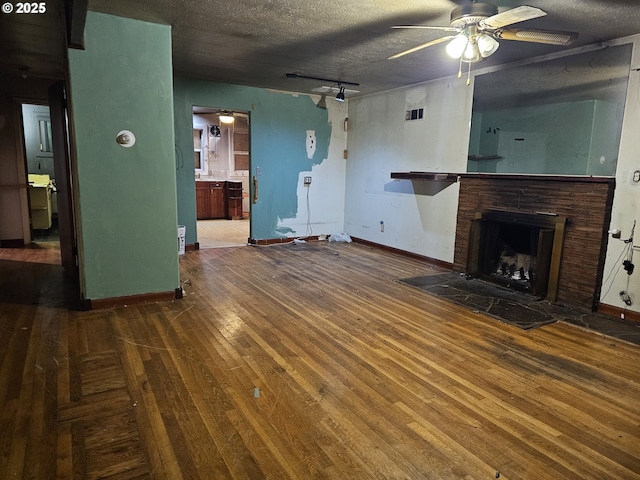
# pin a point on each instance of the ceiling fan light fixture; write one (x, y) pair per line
(487, 45)
(455, 48)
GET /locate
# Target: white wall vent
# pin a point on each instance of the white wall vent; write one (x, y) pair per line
(415, 114)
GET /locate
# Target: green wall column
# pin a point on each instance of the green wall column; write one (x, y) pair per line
(126, 206)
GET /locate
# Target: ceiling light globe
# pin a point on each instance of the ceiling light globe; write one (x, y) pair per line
(471, 53)
(487, 45)
(456, 47)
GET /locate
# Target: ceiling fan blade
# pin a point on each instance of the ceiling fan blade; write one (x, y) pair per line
(428, 27)
(550, 37)
(420, 47)
(515, 15)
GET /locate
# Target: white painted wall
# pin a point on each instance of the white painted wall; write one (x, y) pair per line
(419, 216)
(626, 201)
(323, 213)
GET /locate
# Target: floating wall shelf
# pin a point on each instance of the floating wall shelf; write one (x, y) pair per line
(431, 176)
(485, 157)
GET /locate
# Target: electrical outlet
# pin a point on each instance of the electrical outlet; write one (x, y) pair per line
(307, 181)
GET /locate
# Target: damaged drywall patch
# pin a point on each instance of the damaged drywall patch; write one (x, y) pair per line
(311, 143)
(289, 136)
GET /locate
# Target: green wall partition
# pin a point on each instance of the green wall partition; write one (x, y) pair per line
(126, 197)
(278, 125)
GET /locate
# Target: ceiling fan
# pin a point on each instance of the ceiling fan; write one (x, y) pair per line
(476, 28)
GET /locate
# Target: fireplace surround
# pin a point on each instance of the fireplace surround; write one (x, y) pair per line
(583, 203)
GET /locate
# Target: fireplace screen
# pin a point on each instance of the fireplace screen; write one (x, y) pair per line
(516, 250)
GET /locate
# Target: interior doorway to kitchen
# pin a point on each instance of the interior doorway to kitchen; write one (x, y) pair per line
(221, 160)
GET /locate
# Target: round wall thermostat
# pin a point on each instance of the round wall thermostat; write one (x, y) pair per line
(126, 138)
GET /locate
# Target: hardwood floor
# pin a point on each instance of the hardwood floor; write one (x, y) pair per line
(298, 362)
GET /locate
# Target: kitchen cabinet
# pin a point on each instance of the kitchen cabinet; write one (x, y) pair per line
(234, 200)
(211, 200)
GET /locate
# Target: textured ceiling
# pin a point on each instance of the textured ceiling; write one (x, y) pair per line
(256, 42)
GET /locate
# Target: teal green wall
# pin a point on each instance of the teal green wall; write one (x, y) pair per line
(580, 138)
(278, 125)
(126, 197)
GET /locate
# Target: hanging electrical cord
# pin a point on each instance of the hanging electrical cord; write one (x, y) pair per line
(627, 265)
(309, 230)
(612, 271)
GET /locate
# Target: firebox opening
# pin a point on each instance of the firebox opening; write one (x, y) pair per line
(517, 250)
(512, 259)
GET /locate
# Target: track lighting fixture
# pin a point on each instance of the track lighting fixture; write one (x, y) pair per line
(341, 83)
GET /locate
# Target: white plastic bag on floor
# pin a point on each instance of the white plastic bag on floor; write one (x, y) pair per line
(340, 237)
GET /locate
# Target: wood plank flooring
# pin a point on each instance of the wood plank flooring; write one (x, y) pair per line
(302, 362)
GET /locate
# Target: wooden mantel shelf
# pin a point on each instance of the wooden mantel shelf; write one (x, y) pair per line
(455, 177)
(538, 177)
(433, 176)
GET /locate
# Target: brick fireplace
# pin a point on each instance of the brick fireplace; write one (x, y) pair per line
(545, 235)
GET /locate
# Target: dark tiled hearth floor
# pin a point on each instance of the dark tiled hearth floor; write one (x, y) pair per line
(520, 309)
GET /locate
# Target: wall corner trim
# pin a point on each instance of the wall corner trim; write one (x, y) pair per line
(104, 303)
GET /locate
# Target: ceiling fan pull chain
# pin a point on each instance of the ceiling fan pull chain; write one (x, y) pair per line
(469, 75)
(460, 68)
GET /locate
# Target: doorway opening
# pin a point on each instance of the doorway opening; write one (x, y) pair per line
(221, 162)
(41, 177)
(38, 243)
